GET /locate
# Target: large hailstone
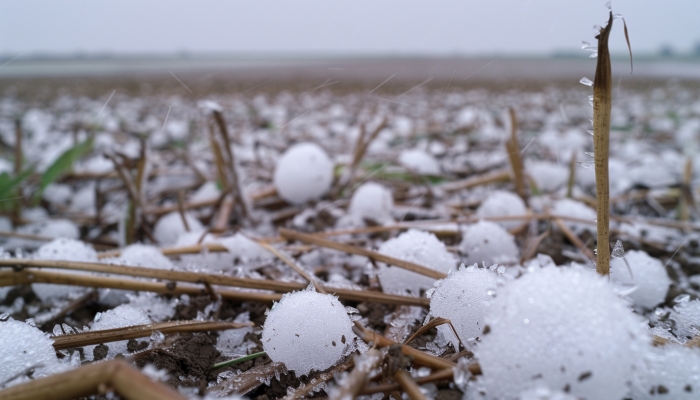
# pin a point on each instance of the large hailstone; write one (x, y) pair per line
(463, 298)
(502, 204)
(648, 275)
(169, 227)
(24, 348)
(303, 173)
(562, 328)
(62, 250)
(372, 201)
(308, 331)
(671, 371)
(422, 248)
(486, 242)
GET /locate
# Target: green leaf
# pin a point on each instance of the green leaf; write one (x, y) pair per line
(9, 183)
(63, 164)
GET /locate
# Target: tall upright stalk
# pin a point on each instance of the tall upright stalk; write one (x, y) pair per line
(602, 102)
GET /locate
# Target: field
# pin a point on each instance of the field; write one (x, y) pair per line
(152, 217)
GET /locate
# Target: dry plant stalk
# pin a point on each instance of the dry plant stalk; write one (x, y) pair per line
(516, 162)
(138, 331)
(442, 374)
(299, 270)
(319, 241)
(98, 378)
(492, 177)
(419, 357)
(184, 276)
(575, 240)
(408, 385)
(231, 178)
(357, 379)
(602, 105)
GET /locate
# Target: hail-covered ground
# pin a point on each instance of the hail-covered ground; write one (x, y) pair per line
(422, 176)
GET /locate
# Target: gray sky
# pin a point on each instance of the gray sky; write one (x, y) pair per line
(383, 27)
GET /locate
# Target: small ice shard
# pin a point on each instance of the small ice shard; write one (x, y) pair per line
(119, 317)
(618, 251)
(608, 5)
(308, 331)
(585, 45)
(586, 81)
(304, 172)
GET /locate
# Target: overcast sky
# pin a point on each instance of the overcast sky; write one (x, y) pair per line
(380, 27)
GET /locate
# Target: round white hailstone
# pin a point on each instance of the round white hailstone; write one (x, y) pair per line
(303, 173)
(58, 193)
(422, 248)
(670, 371)
(419, 162)
(119, 317)
(463, 298)
(486, 242)
(244, 249)
(169, 227)
(501, 204)
(207, 191)
(62, 250)
(25, 347)
(308, 331)
(547, 175)
(143, 255)
(576, 209)
(563, 328)
(372, 201)
(648, 275)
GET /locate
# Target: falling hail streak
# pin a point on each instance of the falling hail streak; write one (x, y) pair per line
(381, 84)
(106, 102)
(416, 87)
(166, 119)
(178, 79)
(474, 73)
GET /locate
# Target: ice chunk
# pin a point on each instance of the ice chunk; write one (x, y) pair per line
(463, 298)
(119, 317)
(169, 227)
(544, 393)
(501, 204)
(303, 173)
(156, 307)
(419, 162)
(648, 275)
(208, 191)
(63, 250)
(576, 209)
(419, 247)
(586, 81)
(564, 328)
(372, 201)
(308, 331)
(244, 249)
(671, 371)
(25, 349)
(486, 242)
(686, 316)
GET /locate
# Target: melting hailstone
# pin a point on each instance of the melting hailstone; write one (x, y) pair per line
(564, 328)
(308, 331)
(422, 248)
(487, 242)
(463, 298)
(647, 274)
(24, 348)
(303, 173)
(502, 203)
